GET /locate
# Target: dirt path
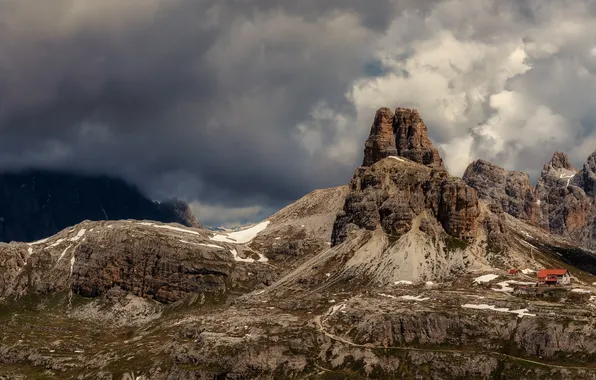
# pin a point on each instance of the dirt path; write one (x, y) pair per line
(318, 321)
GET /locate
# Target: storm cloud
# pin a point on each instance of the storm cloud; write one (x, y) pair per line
(241, 107)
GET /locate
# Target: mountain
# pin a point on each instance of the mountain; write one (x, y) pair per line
(38, 204)
(405, 273)
(563, 202)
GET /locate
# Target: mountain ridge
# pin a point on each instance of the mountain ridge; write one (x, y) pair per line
(36, 204)
(407, 272)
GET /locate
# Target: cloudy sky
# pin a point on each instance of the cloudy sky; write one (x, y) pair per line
(243, 106)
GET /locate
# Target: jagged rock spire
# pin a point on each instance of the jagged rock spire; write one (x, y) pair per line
(400, 134)
(560, 160)
(381, 142)
(588, 175)
(412, 139)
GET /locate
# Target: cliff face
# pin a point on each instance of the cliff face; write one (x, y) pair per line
(508, 191)
(401, 177)
(150, 260)
(393, 192)
(401, 134)
(412, 138)
(38, 204)
(381, 142)
(561, 203)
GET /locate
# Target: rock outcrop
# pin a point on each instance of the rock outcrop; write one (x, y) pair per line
(389, 191)
(412, 139)
(302, 229)
(508, 191)
(165, 263)
(393, 192)
(588, 176)
(400, 134)
(37, 204)
(381, 142)
(564, 207)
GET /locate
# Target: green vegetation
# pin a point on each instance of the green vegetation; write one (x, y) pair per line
(453, 244)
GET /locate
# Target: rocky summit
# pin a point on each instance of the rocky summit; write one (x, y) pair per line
(407, 272)
(508, 191)
(401, 134)
(562, 202)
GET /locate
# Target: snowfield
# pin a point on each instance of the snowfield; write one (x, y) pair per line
(171, 228)
(242, 236)
(506, 288)
(485, 278)
(520, 313)
(79, 235)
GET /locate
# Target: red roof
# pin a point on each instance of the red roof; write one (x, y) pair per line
(551, 272)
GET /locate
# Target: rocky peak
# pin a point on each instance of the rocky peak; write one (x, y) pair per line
(564, 207)
(560, 160)
(392, 193)
(588, 175)
(508, 191)
(381, 141)
(400, 134)
(412, 140)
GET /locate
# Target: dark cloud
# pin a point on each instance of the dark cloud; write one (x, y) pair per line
(244, 106)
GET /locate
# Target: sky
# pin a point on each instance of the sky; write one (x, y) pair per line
(241, 107)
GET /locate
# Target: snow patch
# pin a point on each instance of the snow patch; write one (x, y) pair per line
(414, 298)
(262, 258)
(242, 236)
(30, 250)
(79, 235)
(409, 298)
(538, 202)
(528, 271)
(39, 241)
(397, 158)
(63, 253)
(238, 258)
(334, 309)
(56, 243)
(402, 282)
(520, 313)
(172, 228)
(506, 288)
(579, 290)
(211, 246)
(485, 278)
(277, 238)
(72, 262)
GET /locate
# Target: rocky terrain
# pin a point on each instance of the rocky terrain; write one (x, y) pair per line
(403, 274)
(38, 204)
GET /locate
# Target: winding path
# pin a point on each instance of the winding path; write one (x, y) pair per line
(318, 321)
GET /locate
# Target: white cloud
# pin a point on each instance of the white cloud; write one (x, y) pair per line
(487, 83)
